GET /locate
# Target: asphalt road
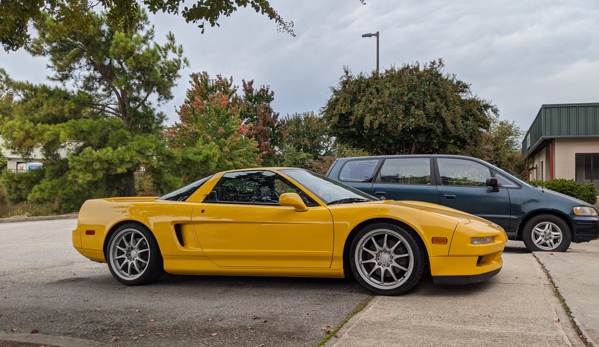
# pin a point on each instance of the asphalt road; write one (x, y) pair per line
(48, 287)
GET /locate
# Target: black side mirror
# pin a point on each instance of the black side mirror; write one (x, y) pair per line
(492, 182)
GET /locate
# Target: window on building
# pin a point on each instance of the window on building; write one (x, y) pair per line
(587, 168)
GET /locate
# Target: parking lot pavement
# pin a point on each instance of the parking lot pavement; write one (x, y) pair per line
(576, 275)
(515, 308)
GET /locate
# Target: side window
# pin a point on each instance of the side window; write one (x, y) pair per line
(358, 171)
(461, 172)
(406, 171)
(503, 181)
(254, 187)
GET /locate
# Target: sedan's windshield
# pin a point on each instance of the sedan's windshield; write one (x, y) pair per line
(184, 193)
(329, 191)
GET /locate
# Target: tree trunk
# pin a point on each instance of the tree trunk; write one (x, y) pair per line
(130, 184)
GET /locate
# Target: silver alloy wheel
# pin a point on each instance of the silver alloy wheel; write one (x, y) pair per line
(547, 236)
(129, 254)
(384, 259)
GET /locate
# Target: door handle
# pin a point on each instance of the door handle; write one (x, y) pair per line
(449, 196)
(380, 193)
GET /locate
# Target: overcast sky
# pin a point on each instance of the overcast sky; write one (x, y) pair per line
(519, 54)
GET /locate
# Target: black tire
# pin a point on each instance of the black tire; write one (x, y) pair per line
(133, 255)
(386, 259)
(546, 233)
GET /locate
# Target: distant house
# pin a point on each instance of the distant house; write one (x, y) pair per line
(563, 140)
(16, 163)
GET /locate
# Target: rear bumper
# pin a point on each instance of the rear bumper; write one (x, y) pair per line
(585, 229)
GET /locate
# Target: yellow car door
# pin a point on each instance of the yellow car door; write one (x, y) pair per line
(241, 224)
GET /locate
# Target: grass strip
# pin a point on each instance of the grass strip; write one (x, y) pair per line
(334, 332)
(563, 303)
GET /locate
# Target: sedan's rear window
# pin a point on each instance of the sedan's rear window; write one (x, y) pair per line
(358, 171)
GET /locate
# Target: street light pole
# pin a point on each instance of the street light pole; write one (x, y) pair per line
(377, 47)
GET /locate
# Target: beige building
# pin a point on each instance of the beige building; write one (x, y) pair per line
(563, 140)
(16, 163)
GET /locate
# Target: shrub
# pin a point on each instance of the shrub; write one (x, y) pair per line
(584, 192)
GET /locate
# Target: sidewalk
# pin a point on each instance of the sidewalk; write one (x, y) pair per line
(516, 308)
(36, 218)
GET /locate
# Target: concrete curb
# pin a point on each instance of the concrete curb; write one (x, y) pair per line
(32, 219)
(351, 322)
(50, 340)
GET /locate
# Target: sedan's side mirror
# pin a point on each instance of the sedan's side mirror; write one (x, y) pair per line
(293, 200)
(492, 182)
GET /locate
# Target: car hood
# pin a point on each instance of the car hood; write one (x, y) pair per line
(447, 212)
(573, 200)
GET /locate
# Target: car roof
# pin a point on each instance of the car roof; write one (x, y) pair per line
(410, 155)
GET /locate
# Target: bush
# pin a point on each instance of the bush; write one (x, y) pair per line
(584, 192)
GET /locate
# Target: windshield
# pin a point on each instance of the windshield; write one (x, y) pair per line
(184, 193)
(329, 191)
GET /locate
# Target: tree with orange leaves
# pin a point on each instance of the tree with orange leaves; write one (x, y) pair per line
(210, 135)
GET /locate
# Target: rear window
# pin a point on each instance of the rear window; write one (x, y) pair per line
(358, 171)
(406, 171)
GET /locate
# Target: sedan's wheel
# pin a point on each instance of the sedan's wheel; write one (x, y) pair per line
(386, 259)
(133, 255)
(546, 233)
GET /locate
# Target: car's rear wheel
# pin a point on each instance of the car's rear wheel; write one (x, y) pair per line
(133, 255)
(547, 233)
(386, 259)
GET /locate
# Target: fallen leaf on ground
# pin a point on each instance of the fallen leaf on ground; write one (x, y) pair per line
(213, 334)
(13, 329)
(264, 321)
(116, 338)
(557, 321)
(159, 334)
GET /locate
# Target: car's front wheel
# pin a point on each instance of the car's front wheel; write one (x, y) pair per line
(547, 233)
(386, 259)
(133, 255)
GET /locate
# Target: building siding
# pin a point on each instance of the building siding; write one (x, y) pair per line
(562, 121)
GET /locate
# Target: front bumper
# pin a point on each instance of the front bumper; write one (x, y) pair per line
(465, 269)
(465, 279)
(585, 229)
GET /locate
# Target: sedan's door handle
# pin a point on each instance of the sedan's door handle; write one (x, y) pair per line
(381, 194)
(449, 196)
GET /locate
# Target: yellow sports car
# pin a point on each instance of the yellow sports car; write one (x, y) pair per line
(287, 222)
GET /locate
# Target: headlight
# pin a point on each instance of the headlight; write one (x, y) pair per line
(482, 240)
(585, 211)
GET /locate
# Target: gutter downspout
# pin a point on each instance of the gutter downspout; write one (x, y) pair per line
(551, 158)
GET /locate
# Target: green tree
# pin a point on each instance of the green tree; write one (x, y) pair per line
(95, 133)
(263, 123)
(308, 133)
(210, 135)
(16, 15)
(500, 146)
(309, 145)
(414, 109)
